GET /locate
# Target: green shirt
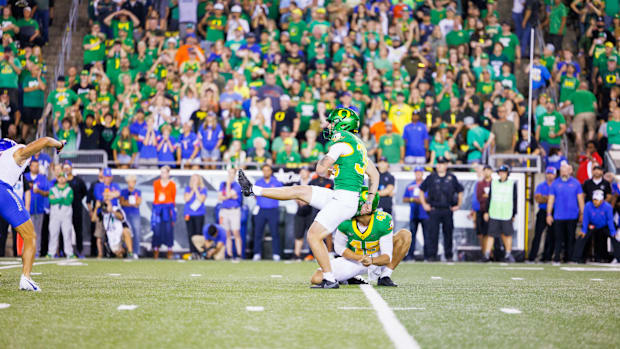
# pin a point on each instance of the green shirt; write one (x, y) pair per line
(511, 44)
(35, 98)
(583, 101)
(367, 242)
(282, 158)
(237, 129)
(613, 132)
(256, 133)
(118, 26)
(125, 146)
(61, 196)
(440, 149)
(296, 31)
(314, 154)
(8, 75)
(61, 98)
(70, 136)
(95, 53)
(478, 135)
(6, 21)
(349, 169)
(390, 146)
(568, 85)
(550, 122)
(306, 112)
(610, 78)
(457, 37)
(213, 32)
(555, 18)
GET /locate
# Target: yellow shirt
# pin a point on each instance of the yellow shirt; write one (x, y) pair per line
(400, 116)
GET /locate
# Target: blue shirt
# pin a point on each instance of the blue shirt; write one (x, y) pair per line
(556, 161)
(38, 202)
(543, 189)
(417, 211)
(262, 201)
(167, 153)
(475, 204)
(220, 237)
(130, 210)
(210, 136)
(540, 76)
(101, 188)
(615, 189)
(231, 203)
(136, 129)
(599, 217)
(565, 206)
(193, 207)
(188, 144)
(414, 135)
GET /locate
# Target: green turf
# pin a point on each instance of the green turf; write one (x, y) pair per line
(78, 307)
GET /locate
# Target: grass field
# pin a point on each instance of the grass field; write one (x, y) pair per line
(203, 304)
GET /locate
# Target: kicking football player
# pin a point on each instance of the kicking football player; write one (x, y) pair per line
(347, 160)
(367, 244)
(14, 158)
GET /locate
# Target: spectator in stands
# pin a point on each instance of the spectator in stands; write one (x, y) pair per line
(441, 145)
(212, 243)
(303, 217)
(189, 148)
(378, 128)
(391, 145)
(164, 213)
(387, 187)
(564, 209)
(550, 127)
(29, 33)
(288, 156)
(211, 136)
(149, 138)
(194, 209)
(167, 148)
(478, 140)
(540, 76)
(229, 196)
(588, 161)
(258, 153)
(369, 141)
(613, 130)
(124, 149)
(504, 132)
(268, 213)
(10, 117)
(416, 140)
(11, 68)
(33, 85)
(131, 199)
(79, 192)
(445, 195)
(39, 187)
(109, 129)
(584, 104)
(68, 131)
(61, 217)
(235, 155)
(90, 133)
(311, 150)
(556, 158)
(541, 196)
(502, 209)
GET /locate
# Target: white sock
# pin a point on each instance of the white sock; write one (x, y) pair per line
(329, 277)
(387, 272)
(508, 252)
(257, 190)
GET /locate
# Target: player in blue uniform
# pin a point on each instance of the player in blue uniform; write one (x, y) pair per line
(14, 158)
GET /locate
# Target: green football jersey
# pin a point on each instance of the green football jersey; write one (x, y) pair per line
(367, 243)
(349, 169)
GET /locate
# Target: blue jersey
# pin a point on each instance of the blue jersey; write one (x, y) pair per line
(565, 205)
(543, 189)
(415, 135)
(38, 202)
(262, 201)
(219, 237)
(231, 203)
(413, 191)
(599, 217)
(126, 194)
(12, 207)
(194, 207)
(101, 188)
(188, 144)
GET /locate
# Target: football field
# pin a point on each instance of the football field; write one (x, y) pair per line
(114, 303)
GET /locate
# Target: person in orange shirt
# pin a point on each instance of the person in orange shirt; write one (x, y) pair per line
(164, 212)
(378, 128)
(183, 53)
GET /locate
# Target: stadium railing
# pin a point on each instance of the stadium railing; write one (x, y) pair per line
(517, 162)
(85, 158)
(612, 160)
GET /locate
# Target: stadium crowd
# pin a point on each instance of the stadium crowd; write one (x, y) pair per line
(201, 84)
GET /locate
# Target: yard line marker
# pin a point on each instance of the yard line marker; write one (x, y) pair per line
(503, 264)
(9, 262)
(35, 273)
(519, 268)
(588, 269)
(276, 276)
(450, 263)
(408, 308)
(126, 307)
(510, 310)
(354, 308)
(596, 279)
(181, 261)
(71, 264)
(517, 279)
(4, 305)
(195, 275)
(393, 328)
(234, 261)
(127, 260)
(114, 274)
(20, 265)
(288, 262)
(254, 308)
(435, 277)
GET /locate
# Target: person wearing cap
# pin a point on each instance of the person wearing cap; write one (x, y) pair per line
(564, 209)
(297, 26)
(500, 213)
(61, 98)
(445, 195)
(608, 78)
(541, 196)
(597, 182)
(61, 216)
(387, 187)
(278, 142)
(39, 187)
(288, 157)
(29, 33)
(235, 22)
(417, 214)
(79, 192)
(550, 127)
(478, 139)
(215, 23)
(391, 145)
(268, 213)
(598, 224)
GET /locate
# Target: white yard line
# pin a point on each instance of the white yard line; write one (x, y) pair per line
(393, 328)
(20, 265)
(588, 269)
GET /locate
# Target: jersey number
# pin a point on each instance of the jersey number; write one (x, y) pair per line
(361, 169)
(371, 247)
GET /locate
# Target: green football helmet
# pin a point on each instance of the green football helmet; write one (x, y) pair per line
(342, 119)
(363, 198)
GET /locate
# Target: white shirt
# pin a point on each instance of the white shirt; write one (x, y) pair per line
(338, 149)
(396, 54)
(11, 171)
(518, 6)
(187, 106)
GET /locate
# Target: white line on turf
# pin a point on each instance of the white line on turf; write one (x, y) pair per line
(36, 273)
(435, 277)
(126, 307)
(517, 279)
(408, 308)
(519, 268)
(510, 310)
(20, 265)
(393, 328)
(4, 305)
(369, 308)
(588, 269)
(114, 274)
(596, 279)
(195, 275)
(254, 308)
(9, 262)
(276, 276)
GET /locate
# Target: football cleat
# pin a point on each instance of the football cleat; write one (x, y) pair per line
(510, 258)
(246, 185)
(386, 281)
(356, 280)
(326, 284)
(27, 284)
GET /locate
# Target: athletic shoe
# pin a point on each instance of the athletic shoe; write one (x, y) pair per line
(135, 256)
(256, 257)
(246, 185)
(386, 281)
(615, 261)
(49, 256)
(27, 284)
(510, 258)
(73, 256)
(276, 257)
(356, 280)
(555, 264)
(326, 284)
(485, 260)
(309, 258)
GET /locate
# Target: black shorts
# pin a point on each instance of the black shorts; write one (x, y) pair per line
(482, 227)
(302, 224)
(499, 227)
(31, 116)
